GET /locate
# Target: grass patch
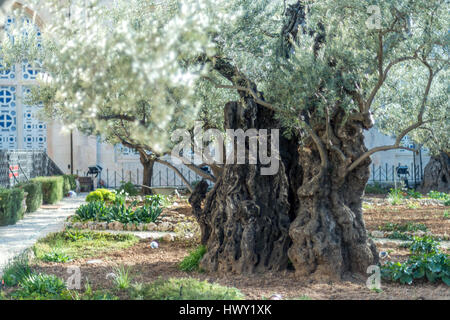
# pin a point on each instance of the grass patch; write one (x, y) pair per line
(184, 289)
(191, 262)
(76, 244)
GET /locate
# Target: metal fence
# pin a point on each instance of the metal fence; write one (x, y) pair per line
(163, 177)
(21, 165)
(388, 174)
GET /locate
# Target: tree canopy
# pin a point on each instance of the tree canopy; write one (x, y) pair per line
(148, 67)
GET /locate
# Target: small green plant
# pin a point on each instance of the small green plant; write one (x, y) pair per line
(184, 289)
(396, 196)
(425, 245)
(447, 214)
(375, 188)
(439, 195)
(16, 269)
(41, 284)
(191, 262)
(56, 256)
(122, 279)
(128, 188)
(414, 194)
(396, 235)
(426, 261)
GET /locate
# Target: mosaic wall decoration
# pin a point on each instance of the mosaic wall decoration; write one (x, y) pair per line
(8, 117)
(15, 85)
(34, 130)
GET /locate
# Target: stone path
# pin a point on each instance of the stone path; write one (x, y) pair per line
(49, 218)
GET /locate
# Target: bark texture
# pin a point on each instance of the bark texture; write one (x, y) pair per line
(148, 164)
(246, 216)
(329, 235)
(437, 174)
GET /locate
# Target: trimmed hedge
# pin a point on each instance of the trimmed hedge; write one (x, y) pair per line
(11, 209)
(69, 183)
(34, 197)
(66, 184)
(52, 188)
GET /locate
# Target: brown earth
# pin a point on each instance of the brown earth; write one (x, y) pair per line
(432, 217)
(146, 265)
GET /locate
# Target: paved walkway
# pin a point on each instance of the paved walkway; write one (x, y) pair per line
(49, 218)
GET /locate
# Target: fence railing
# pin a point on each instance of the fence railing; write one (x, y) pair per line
(21, 165)
(388, 174)
(162, 177)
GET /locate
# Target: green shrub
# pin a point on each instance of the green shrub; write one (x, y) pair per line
(101, 195)
(191, 262)
(108, 195)
(52, 188)
(184, 289)
(94, 196)
(16, 269)
(11, 209)
(72, 185)
(426, 261)
(129, 188)
(34, 197)
(66, 184)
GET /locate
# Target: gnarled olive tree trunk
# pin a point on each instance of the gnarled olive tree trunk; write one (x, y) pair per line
(329, 236)
(306, 213)
(437, 174)
(246, 216)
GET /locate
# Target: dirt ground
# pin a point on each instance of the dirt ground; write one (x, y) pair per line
(432, 217)
(147, 264)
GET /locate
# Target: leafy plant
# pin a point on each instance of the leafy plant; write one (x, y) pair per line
(184, 289)
(447, 214)
(191, 262)
(439, 195)
(119, 211)
(42, 284)
(426, 261)
(425, 244)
